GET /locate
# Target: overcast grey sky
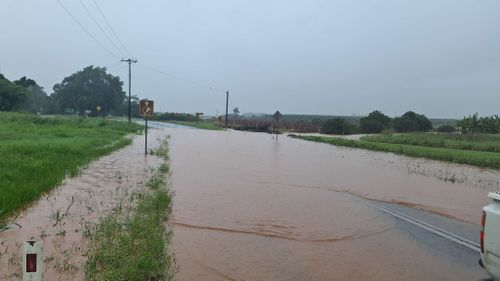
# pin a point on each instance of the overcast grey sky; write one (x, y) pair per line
(437, 57)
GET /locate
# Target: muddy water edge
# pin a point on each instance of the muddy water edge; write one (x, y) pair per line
(61, 217)
(248, 207)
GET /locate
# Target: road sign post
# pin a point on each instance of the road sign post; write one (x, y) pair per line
(146, 109)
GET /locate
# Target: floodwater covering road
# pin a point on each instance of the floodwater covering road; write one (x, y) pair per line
(249, 207)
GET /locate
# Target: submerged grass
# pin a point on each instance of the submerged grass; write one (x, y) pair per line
(132, 244)
(477, 142)
(37, 153)
(207, 125)
(475, 158)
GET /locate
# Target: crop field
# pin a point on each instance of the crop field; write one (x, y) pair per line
(37, 153)
(437, 147)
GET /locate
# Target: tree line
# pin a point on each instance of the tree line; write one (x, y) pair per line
(377, 122)
(91, 91)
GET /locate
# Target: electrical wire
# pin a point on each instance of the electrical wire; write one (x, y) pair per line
(211, 88)
(111, 28)
(100, 28)
(86, 31)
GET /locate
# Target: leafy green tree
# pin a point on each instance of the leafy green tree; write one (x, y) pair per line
(37, 100)
(374, 123)
(474, 124)
(89, 89)
(11, 95)
(411, 122)
(338, 126)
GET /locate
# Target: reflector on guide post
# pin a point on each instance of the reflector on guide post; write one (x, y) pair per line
(32, 261)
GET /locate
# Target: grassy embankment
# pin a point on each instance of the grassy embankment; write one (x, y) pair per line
(38, 153)
(207, 125)
(481, 151)
(131, 242)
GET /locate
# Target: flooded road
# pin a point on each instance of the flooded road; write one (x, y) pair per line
(248, 207)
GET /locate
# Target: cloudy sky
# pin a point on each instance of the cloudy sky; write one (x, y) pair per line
(437, 57)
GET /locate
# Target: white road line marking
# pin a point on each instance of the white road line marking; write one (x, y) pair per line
(436, 230)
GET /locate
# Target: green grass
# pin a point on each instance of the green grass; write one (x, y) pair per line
(38, 153)
(475, 158)
(477, 142)
(207, 125)
(131, 244)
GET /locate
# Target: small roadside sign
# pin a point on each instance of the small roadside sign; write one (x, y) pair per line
(32, 261)
(98, 108)
(146, 108)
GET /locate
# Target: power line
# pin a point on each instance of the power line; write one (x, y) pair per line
(100, 28)
(86, 31)
(211, 88)
(111, 28)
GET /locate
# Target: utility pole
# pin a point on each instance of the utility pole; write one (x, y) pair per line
(130, 61)
(227, 100)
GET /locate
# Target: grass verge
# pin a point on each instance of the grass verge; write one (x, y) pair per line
(38, 153)
(474, 158)
(131, 244)
(477, 142)
(207, 125)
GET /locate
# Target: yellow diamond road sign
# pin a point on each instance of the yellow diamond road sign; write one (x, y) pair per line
(146, 108)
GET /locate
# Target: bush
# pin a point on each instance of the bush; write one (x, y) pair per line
(338, 126)
(446, 129)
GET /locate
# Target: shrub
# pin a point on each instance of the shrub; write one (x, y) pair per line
(338, 126)
(446, 129)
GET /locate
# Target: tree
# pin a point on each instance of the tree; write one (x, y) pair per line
(374, 123)
(89, 88)
(236, 111)
(411, 122)
(337, 126)
(277, 118)
(474, 124)
(37, 100)
(11, 95)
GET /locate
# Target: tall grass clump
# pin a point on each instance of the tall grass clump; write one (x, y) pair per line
(37, 153)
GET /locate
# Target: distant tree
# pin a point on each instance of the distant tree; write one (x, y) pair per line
(37, 100)
(89, 88)
(489, 124)
(411, 122)
(236, 111)
(474, 124)
(374, 123)
(277, 118)
(338, 126)
(11, 95)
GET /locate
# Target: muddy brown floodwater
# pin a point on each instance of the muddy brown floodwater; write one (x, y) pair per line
(60, 218)
(248, 207)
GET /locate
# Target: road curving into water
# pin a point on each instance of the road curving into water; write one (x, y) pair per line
(249, 207)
